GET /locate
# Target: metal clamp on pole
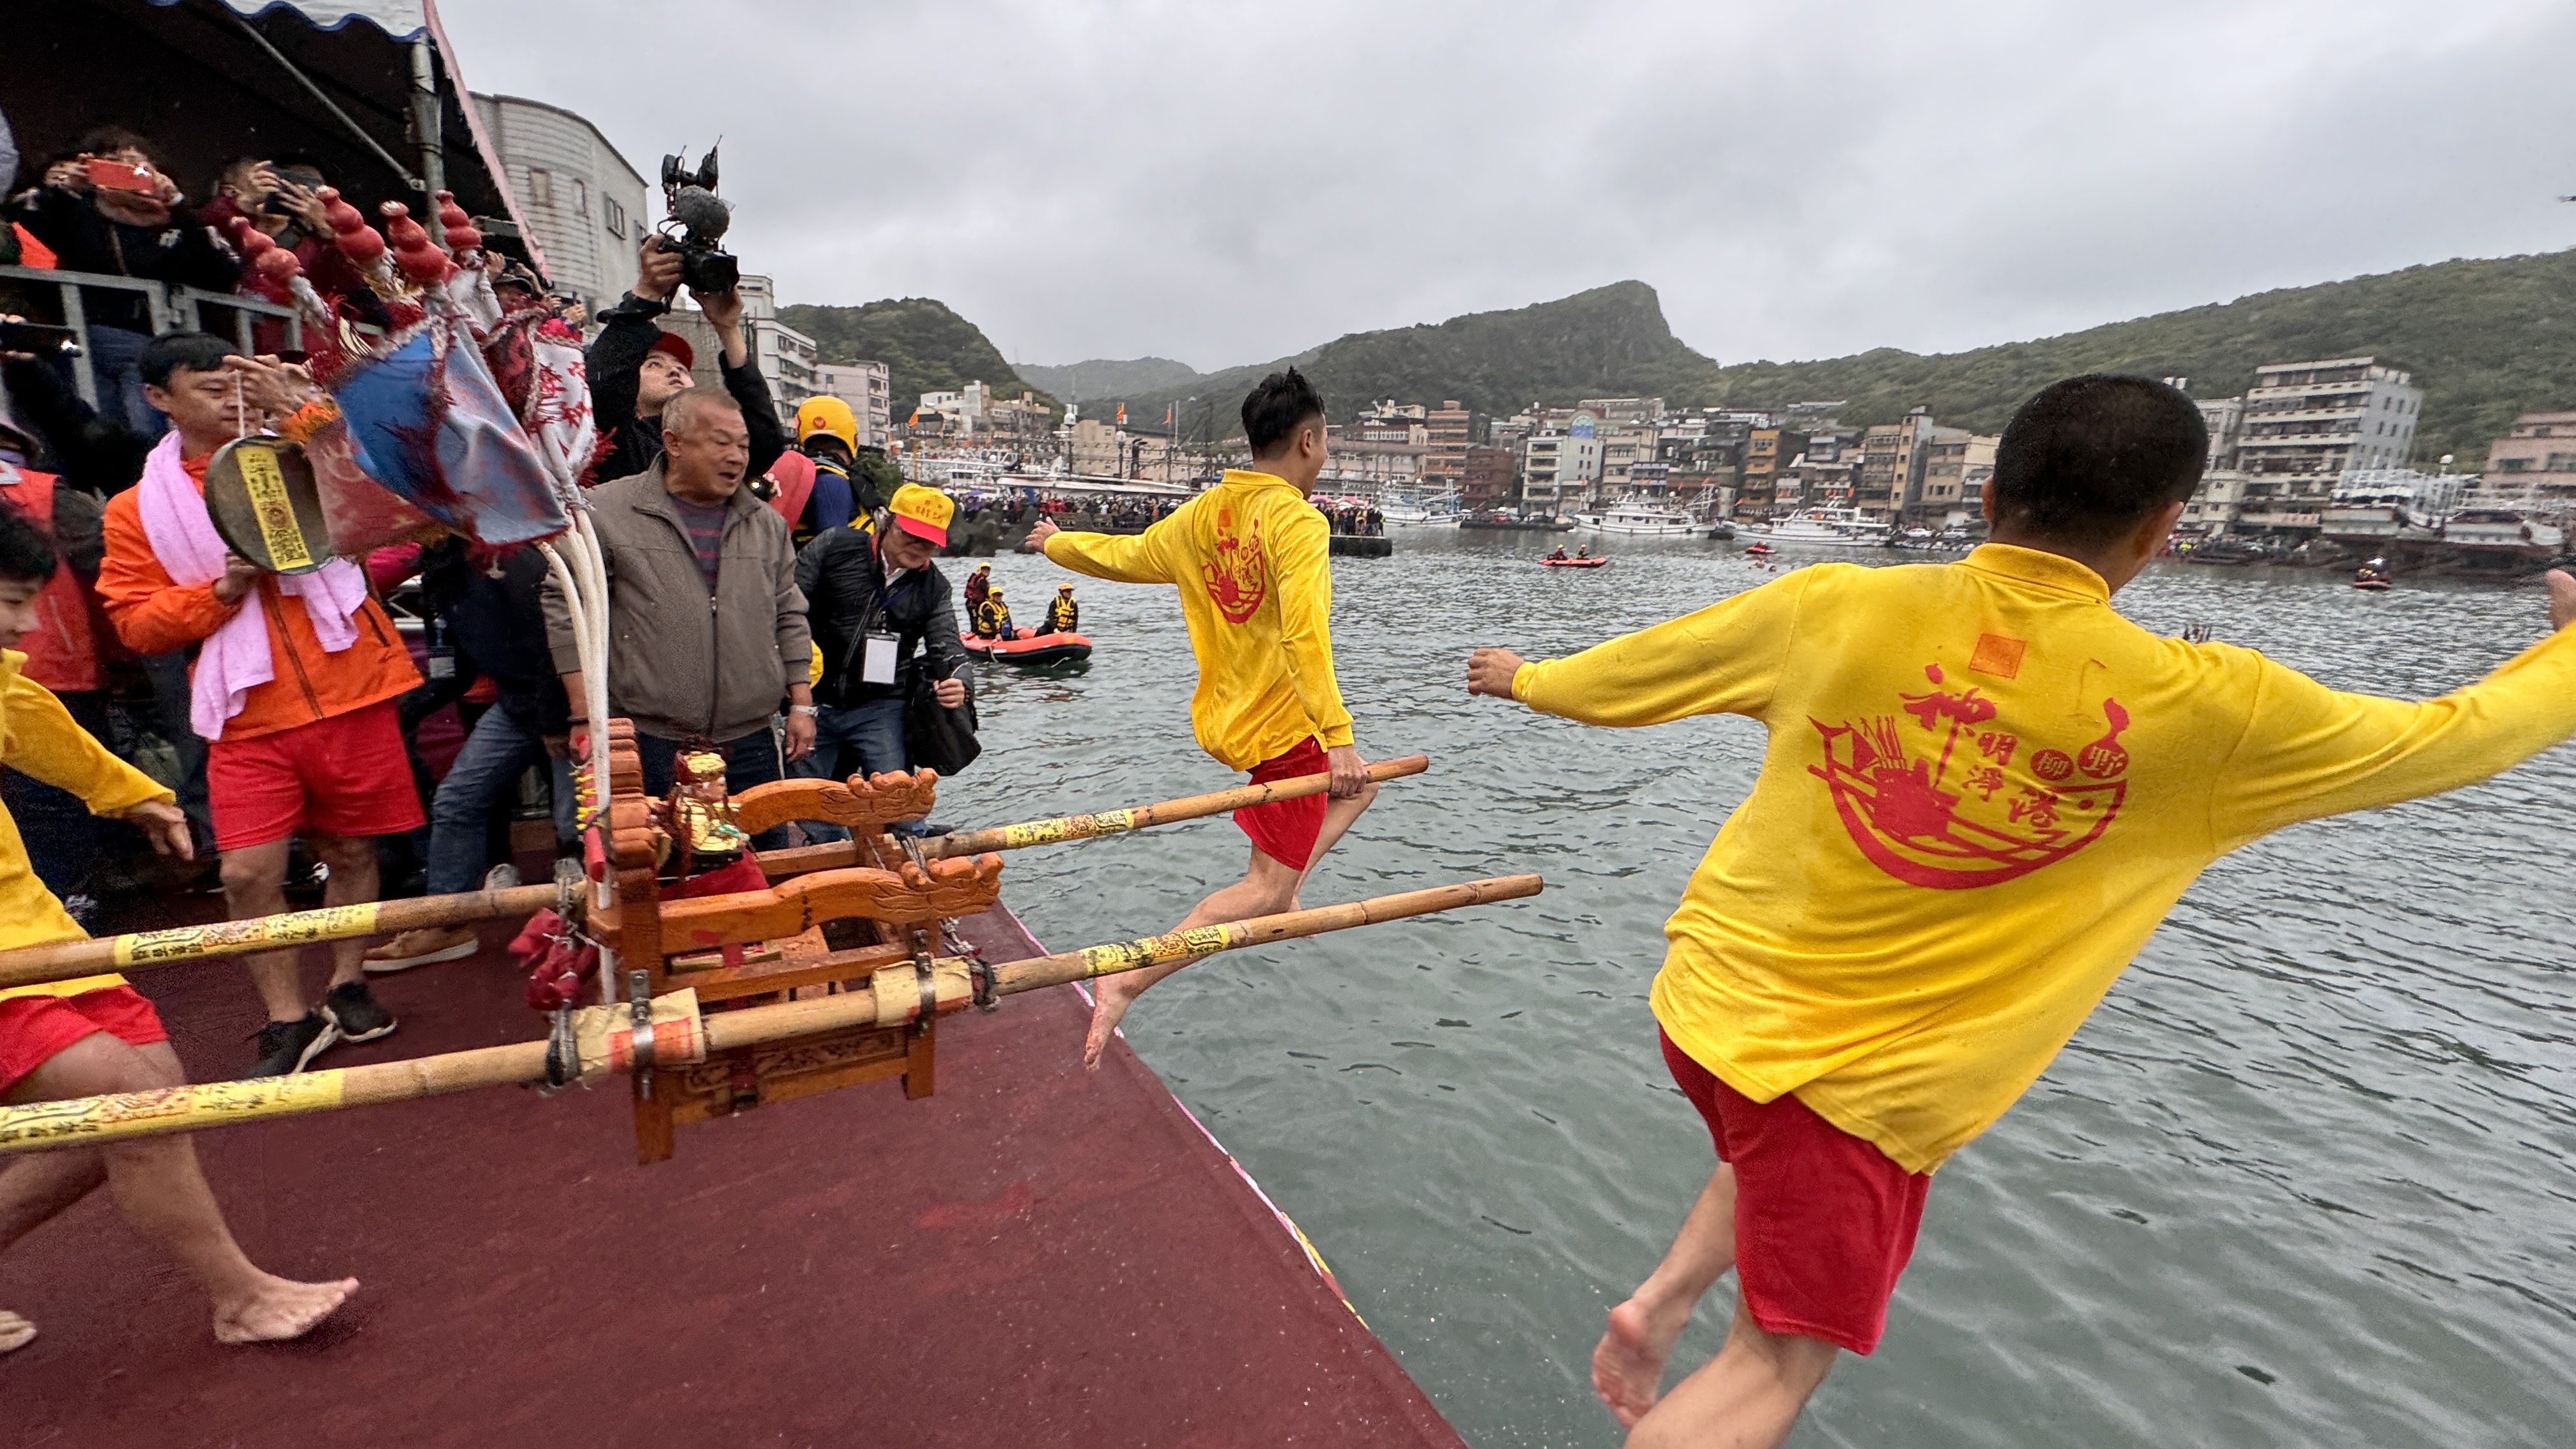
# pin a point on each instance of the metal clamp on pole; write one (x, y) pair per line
(563, 1051)
(639, 988)
(925, 977)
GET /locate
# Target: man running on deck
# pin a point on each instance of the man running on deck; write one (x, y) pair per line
(1983, 789)
(96, 1035)
(1250, 558)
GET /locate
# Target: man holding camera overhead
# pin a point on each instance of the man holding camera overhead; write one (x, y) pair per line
(636, 367)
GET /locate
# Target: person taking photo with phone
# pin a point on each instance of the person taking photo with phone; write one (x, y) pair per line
(108, 208)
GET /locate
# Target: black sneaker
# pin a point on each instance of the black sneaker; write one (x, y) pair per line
(353, 1009)
(285, 1047)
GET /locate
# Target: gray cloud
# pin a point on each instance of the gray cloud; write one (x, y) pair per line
(1226, 184)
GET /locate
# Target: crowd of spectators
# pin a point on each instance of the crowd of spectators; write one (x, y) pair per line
(1355, 516)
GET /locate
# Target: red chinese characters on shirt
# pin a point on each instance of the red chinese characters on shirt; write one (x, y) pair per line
(1930, 796)
(1238, 576)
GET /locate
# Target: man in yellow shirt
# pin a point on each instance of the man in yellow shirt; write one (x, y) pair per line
(1983, 789)
(95, 1035)
(1250, 557)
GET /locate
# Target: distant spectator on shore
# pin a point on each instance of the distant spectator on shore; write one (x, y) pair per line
(293, 688)
(636, 368)
(107, 208)
(706, 625)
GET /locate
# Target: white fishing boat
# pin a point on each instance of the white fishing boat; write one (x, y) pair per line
(1638, 519)
(1429, 510)
(2502, 534)
(1823, 527)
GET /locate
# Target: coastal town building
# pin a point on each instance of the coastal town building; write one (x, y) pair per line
(1487, 479)
(2307, 424)
(784, 357)
(586, 209)
(1449, 428)
(2533, 466)
(864, 386)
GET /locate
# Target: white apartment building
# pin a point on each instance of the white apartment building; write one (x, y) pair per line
(2221, 496)
(2307, 424)
(1559, 462)
(864, 386)
(587, 208)
(784, 356)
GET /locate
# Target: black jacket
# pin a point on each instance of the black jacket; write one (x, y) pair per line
(844, 594)
(615, 363)
(85, 239)
(92, 453)
(499, 625)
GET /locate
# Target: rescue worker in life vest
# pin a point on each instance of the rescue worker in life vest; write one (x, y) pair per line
(1063, 615)
(827, 432)
(978, 584)
(992, 617)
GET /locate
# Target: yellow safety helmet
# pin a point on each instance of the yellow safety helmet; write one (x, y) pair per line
(829, 415)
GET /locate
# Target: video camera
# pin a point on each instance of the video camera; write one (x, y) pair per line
(700, 218)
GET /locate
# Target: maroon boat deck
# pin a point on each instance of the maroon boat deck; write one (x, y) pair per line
(1031, 1257)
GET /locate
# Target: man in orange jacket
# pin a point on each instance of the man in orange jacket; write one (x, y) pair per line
(293, 690)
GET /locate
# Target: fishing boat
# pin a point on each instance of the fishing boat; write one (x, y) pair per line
(1638, 519)
(2484, 539)
(1029, 649)
(1428, 510)
(1827, 528)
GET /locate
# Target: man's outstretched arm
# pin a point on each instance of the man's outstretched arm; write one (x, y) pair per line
(1724, 659)
(2309, 751)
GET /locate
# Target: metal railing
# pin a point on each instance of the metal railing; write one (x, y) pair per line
(173, 308)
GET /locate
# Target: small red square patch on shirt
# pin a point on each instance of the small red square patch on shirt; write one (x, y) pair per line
(1997, 655)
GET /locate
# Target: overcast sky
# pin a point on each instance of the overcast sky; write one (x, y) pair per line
(1227, 184)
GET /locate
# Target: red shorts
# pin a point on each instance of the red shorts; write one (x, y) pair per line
(1285, 830)
(347, 775)
(1824, 1222)
(34, 1028)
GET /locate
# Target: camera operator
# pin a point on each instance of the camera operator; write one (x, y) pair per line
(636, 367)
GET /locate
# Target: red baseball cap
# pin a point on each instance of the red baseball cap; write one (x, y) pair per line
(675, 345)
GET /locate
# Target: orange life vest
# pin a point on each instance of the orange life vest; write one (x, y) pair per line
(61, 648)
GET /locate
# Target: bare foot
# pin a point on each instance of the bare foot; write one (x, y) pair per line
(1110, 998)
(1628, 1363)
(279, 1309)
(15, 1332)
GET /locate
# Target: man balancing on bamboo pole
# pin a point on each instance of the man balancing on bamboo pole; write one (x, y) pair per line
(1982, 791)
(94, 1034)
(1250, 558)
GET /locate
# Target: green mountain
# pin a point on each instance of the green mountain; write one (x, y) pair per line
(1609, 342)
(2485, 339)
(925, 347)
(1101, 377)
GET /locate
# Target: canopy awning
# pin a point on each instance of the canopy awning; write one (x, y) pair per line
(187, 76)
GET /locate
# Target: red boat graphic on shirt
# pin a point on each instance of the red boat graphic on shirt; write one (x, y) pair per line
(1238, 576)
(1941, 794)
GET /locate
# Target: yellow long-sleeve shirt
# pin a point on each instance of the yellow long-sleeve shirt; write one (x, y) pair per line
(1250, 557)
(1983, 788)
(39, 739)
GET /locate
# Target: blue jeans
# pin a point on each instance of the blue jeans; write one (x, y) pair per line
(859, 739)
(750, 760)
(115, 359)
(64, 841)
(497, 752)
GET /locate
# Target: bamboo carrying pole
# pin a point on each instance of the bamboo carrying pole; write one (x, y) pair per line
(83, 1121)
(63, 960)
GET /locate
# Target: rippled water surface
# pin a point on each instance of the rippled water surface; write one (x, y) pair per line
(2304, 1179)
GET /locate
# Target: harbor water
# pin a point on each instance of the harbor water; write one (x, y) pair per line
(2307, 1177)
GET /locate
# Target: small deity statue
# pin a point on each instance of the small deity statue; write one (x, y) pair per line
(699, 814)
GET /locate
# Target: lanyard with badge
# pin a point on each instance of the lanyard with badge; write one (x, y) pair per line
(879, 650)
